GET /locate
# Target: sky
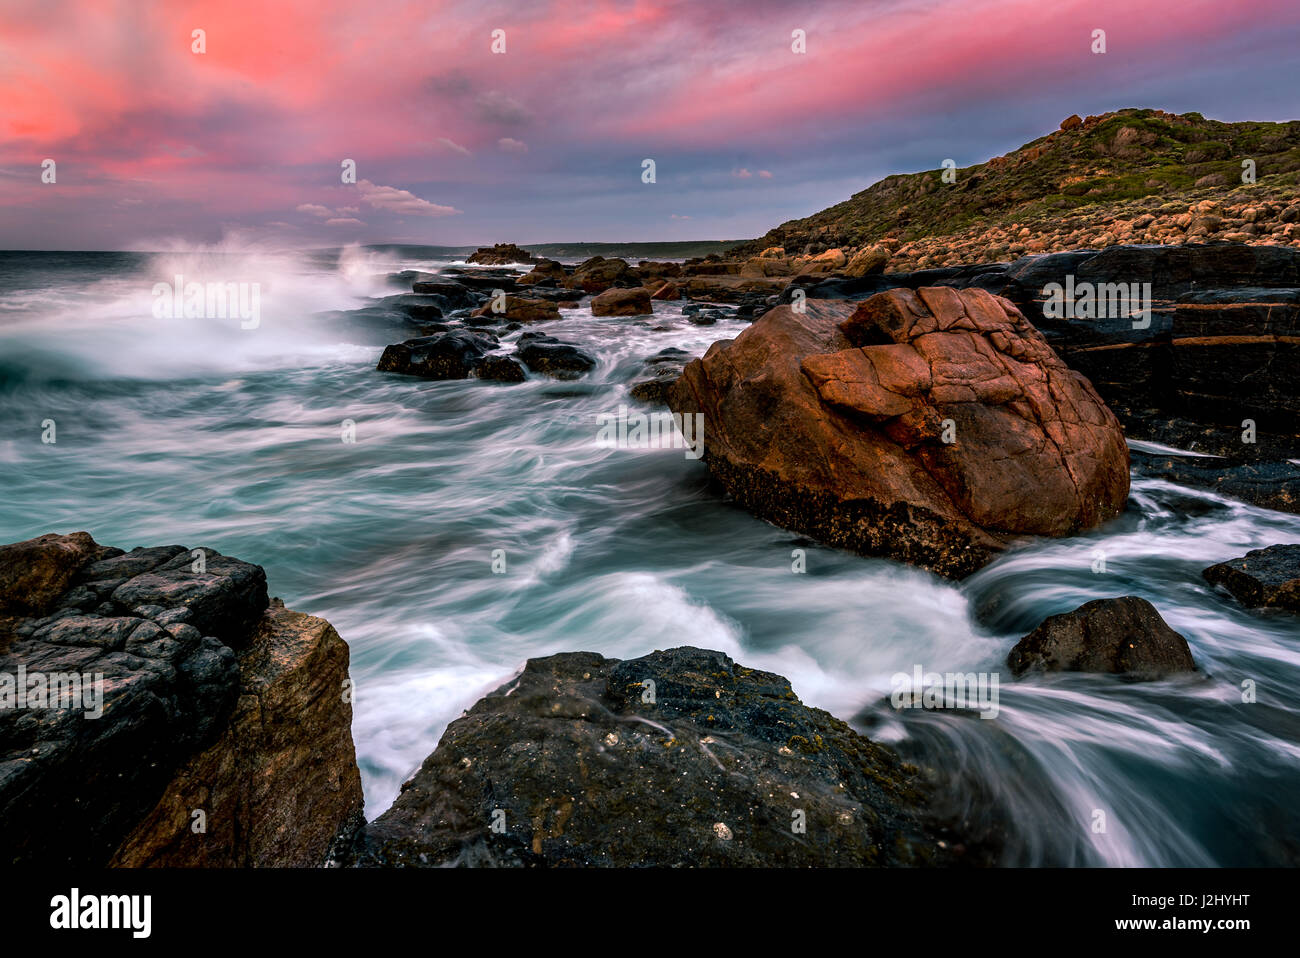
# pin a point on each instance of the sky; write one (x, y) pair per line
(155, 143)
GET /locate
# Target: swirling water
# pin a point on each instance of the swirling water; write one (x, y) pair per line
(198, 432)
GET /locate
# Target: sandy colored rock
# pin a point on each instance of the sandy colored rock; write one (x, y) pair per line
(622, 302)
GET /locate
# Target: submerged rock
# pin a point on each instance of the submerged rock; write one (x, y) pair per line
(678, 758)
(544, 354)
(449, 296)
(1270, 485)
(933, 427)
(1118, 636)
(1262, 578)
(453, 355)
(127, 669)
(500, 369)
(666, 366)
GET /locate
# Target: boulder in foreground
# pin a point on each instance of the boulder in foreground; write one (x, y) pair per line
(1123, 636)
(180, 689)
(934, 427)
(576, 763)
(1263, 577)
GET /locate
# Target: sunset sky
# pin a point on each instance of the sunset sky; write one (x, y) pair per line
(455, 144)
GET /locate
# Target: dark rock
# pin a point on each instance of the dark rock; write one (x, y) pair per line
(560, 360)
(666, 366)
(133, 644)
(500, 369)
(1116, 636)
(578, 768)
(451, 355)
(284, 765)
(653, 392)
(449, 296)
(223, 600)
(485, 281)
(1269, 485)
(1262, 578)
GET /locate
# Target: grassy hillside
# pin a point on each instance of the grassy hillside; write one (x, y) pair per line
(1126, 162)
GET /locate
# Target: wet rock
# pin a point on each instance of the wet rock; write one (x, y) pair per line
(1269, 485)
(932, 427)
(1268, 578)
(1124, 636)
(665, 366)
(560, 360)
(448, 296)
(452, 355)
(577, 764)
(519, 309)
(622, 302)
(652, 392)
(500, 369)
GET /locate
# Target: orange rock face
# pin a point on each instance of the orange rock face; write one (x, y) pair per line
(934, 426)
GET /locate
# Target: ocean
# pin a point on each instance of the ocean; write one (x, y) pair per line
(200, 432)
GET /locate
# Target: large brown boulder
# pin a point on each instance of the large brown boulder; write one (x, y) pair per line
(622, 302)
(544, 269)
(934, 426)
(867, 261)
(599, 274)
(519, 309)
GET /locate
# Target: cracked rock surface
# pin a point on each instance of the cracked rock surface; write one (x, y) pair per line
(934, 426)
(175, 655)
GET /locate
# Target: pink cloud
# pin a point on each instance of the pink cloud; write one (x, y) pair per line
(400, 201)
